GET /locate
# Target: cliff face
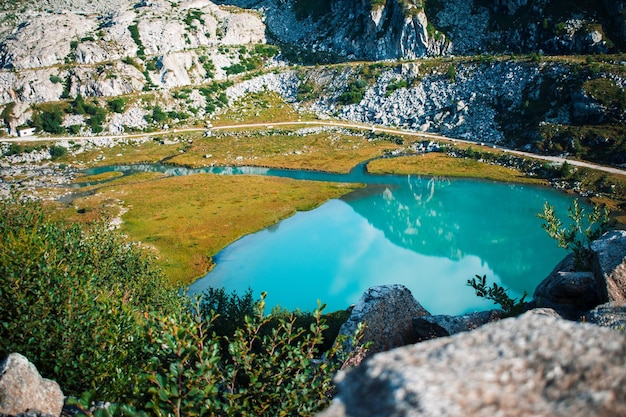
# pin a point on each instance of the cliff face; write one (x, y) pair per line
(395, 29)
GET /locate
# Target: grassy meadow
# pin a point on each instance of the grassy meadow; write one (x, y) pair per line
(187, 220)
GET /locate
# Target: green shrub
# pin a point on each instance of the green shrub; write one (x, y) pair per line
(451, 73)
(234, 69)
(158, 115)
(354, 93)
(73, 301)
(134, 33)
(261, 374)
(57, 151)
(49, 121)
(117, 105)
(55, 79)
(498, 294)
(578, 235)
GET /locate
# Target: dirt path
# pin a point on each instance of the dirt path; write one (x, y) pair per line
(348, 125)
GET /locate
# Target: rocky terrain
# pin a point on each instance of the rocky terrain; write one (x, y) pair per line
(181, 57)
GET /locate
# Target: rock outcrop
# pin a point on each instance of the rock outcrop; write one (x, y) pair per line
(387, 312)
(572, 293)
(393, 29)
(156, 44)
(531, 365)
(609, 265)
(22, 389)
(430, 327)
(611, 315)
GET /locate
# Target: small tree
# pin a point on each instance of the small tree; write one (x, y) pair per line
(578, 235)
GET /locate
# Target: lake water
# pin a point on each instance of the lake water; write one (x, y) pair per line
(428, 234)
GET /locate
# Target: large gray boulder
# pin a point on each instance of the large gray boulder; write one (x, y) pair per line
(22, 389)
(572, 293)
(429, 327)
(609, 265)
(611, 315)
(569, 292)
(533, 365)
(387, 311)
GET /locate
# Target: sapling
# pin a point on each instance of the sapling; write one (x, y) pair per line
(578, 235)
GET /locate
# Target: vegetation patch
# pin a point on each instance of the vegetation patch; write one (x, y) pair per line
(189, 219)
(321, 150)
(441, 165)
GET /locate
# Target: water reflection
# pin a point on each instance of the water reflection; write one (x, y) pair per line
(430, 234)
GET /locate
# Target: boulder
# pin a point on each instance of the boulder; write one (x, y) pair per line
(429, 327)
(609, 265)
(572, 293)
(608, 315)
(22, 389)
(568, 292)
(387, 311)
(533, 365)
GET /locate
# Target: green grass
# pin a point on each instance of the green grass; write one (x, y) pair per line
(186, 220)
(440, 165)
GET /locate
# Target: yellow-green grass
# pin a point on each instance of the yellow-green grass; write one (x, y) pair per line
(147, 152)
(261, 107)
(324, 151)
(189, 219)
(439, 164)
(105, 176)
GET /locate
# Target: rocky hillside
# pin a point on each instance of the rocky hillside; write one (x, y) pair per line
(128, 65)
(390, 29)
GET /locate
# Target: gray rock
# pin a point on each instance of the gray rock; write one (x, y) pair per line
(609, 265)
(533, 365)
(428, 327)
(608, 315)
(568, 292)
(22, 389)
(387, 311)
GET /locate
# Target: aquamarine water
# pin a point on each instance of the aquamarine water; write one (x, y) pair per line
(430, 235)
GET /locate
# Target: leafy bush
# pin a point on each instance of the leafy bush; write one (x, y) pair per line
(578, 235)
(134, 33)
(49, 121)
(234, 69)
(117, 105)
(57, 151)
(158, 115)
(354, 93)
(498, 294)
(262, 374)
(72, 301)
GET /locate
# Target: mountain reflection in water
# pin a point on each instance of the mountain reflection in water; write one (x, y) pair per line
(430, 234)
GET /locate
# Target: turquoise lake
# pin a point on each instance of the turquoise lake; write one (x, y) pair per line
(428, 234)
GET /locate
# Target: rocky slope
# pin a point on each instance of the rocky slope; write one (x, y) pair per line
(371, 29)
(121, 51)
(169, 54)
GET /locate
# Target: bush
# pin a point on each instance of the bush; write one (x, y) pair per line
(262, 374)
(354, 93)
(49, 121)
(498, 294)
(578, 235)
(158, 115)
(57, 151)
(72, 301)
(117, 105)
